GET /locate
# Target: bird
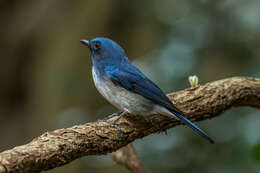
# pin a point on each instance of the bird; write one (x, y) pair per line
(126, 87)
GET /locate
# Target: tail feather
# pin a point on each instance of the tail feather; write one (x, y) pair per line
(193, 126)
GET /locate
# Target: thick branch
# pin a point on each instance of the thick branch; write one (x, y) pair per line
(59, 147)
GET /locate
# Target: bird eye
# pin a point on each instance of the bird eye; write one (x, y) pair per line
(97, 45)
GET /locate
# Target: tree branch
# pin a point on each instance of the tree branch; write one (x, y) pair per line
(59, 147)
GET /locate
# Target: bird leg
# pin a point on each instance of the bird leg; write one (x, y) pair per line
(110, 116)
(114, 114)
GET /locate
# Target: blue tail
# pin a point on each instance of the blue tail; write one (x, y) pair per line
(193, 126)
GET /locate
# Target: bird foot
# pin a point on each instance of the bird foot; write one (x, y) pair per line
(114, 122)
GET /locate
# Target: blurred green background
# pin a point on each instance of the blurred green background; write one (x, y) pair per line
(46, 82)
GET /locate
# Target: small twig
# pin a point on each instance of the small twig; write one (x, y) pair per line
(129, 158)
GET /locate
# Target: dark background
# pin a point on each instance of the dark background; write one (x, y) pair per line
(46, 82)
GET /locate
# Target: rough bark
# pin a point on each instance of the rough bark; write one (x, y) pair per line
(59, 147)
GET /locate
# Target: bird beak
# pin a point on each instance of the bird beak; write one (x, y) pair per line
(85, 42)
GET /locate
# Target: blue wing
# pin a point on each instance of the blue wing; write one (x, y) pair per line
(133, 80)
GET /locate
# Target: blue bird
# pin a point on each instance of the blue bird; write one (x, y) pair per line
(126, 87)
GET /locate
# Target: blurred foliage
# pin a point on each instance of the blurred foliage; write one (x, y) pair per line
(46, 80)
(256, 152)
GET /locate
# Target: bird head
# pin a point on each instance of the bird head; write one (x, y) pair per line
(104, 50)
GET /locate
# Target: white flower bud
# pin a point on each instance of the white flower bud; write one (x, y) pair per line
(194, 81)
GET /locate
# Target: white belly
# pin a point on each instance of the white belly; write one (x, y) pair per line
(121, 98)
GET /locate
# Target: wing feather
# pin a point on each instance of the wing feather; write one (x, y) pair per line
(139, 84)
